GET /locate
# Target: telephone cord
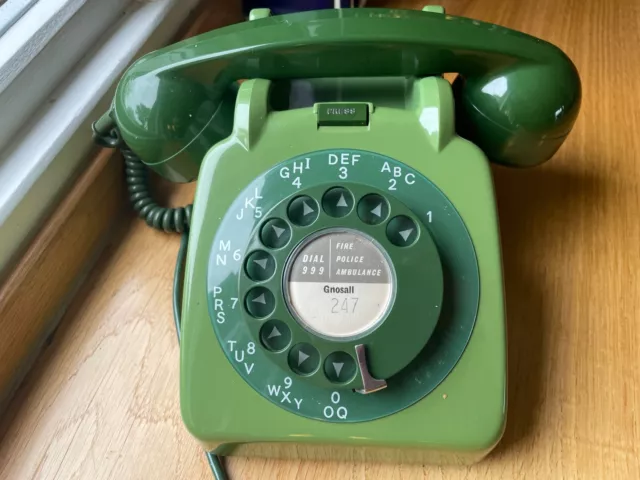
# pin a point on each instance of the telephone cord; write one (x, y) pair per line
(162, 218)
(178, 219)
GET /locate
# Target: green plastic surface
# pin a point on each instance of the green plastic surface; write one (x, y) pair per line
(517, 96)
(462, 417)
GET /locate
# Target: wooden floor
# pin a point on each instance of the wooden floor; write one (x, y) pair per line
(102, 402)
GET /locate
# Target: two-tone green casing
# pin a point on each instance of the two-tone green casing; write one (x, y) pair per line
(463, 416)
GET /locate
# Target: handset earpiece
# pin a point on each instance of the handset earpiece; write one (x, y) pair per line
(521, 115)
(170, 121)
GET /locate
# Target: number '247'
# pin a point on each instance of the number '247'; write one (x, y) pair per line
(348, 305)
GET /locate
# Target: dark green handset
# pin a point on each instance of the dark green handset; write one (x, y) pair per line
(343, 289)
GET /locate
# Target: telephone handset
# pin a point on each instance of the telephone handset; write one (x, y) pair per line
(517, 97)
(343, 286)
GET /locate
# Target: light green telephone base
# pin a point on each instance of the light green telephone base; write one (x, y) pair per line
(234, 379)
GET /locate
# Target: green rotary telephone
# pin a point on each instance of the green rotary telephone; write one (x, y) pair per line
(343, 292)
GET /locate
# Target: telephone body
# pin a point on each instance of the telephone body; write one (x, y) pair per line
(343, 294)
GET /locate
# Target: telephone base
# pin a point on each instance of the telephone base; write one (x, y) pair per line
(257, 375)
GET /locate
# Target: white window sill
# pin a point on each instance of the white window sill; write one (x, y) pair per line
(11, 12)
(47, 148)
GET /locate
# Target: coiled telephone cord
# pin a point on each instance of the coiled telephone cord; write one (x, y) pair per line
(162, 218)
(106, 134)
